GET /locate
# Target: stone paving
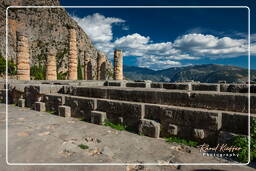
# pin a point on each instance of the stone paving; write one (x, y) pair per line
(40, 137)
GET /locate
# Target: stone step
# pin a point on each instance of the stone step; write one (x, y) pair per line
(236, 102)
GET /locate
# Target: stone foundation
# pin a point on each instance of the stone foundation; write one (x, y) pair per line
(203, 116)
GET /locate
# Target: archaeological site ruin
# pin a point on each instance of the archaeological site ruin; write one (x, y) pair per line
(80, 82)
(197, 111)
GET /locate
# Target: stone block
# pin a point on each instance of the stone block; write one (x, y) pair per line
(149, 128)
(40, 106)
(21, 102)
(205, 87)
(130, 112)
(81, 106)
(182, 116)
(65, 111)
(235, 122)
(53, 101)
(176, 86)
(156, 85)
(198, 134)
(225, 137)
(172, 129)
(120, 120)
(136, 84)
(98, 117)
(220, 101)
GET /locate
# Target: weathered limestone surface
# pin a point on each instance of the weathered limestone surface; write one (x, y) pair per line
(53, 101)
(40, 106)
(72, 64)
(101, 66)
(201, 119)
(194, 115)
(87, 71)
(80, 106)
(130, 112)
(149, 128)
(237, 88)
(98, 117)
(118, 65)
(23, 63)
(21, 103)
(208, 100)
(176, 86)
(56, 139)
(236, 123)
(51, 69)
(206, 87)
(65, 111)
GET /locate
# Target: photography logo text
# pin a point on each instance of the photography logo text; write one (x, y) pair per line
(220, 150)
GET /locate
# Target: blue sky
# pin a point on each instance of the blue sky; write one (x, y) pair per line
(164, 38)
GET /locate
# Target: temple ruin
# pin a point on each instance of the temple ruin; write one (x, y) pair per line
(191, 110)
(23, 57)
(202, 112)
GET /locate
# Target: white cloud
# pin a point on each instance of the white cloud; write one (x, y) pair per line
(97, 26)
(156, 64)
(160, 55)
(211, 46)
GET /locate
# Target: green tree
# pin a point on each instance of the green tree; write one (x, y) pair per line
(11, 66)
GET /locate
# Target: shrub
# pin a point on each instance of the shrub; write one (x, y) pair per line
(38, 72)
(11, 66)
(242, 141)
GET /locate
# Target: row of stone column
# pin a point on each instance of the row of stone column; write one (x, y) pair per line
(23, 66)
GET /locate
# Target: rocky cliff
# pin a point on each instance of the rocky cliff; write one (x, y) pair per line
(46, 28)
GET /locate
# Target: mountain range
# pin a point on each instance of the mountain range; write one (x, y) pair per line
(205, 73)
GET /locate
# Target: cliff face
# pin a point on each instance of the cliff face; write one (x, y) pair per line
(47, 28)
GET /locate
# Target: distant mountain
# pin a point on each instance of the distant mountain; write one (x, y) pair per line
(208, 73)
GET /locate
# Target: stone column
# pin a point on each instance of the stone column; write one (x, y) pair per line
(72, 62)
(100, 60)
(118, 65)
(86, 60)
(23, 66)
(51, 71)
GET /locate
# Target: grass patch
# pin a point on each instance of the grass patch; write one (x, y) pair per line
(50, 112)
(242, 141)
(181, 141)
(83, 146)
(118, 127)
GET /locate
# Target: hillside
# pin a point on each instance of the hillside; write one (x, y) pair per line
(46, 28)
(209, 73)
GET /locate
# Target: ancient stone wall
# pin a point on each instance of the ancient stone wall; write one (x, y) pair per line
(204, 116)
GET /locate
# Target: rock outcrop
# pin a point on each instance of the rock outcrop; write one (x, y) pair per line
(46, 28)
